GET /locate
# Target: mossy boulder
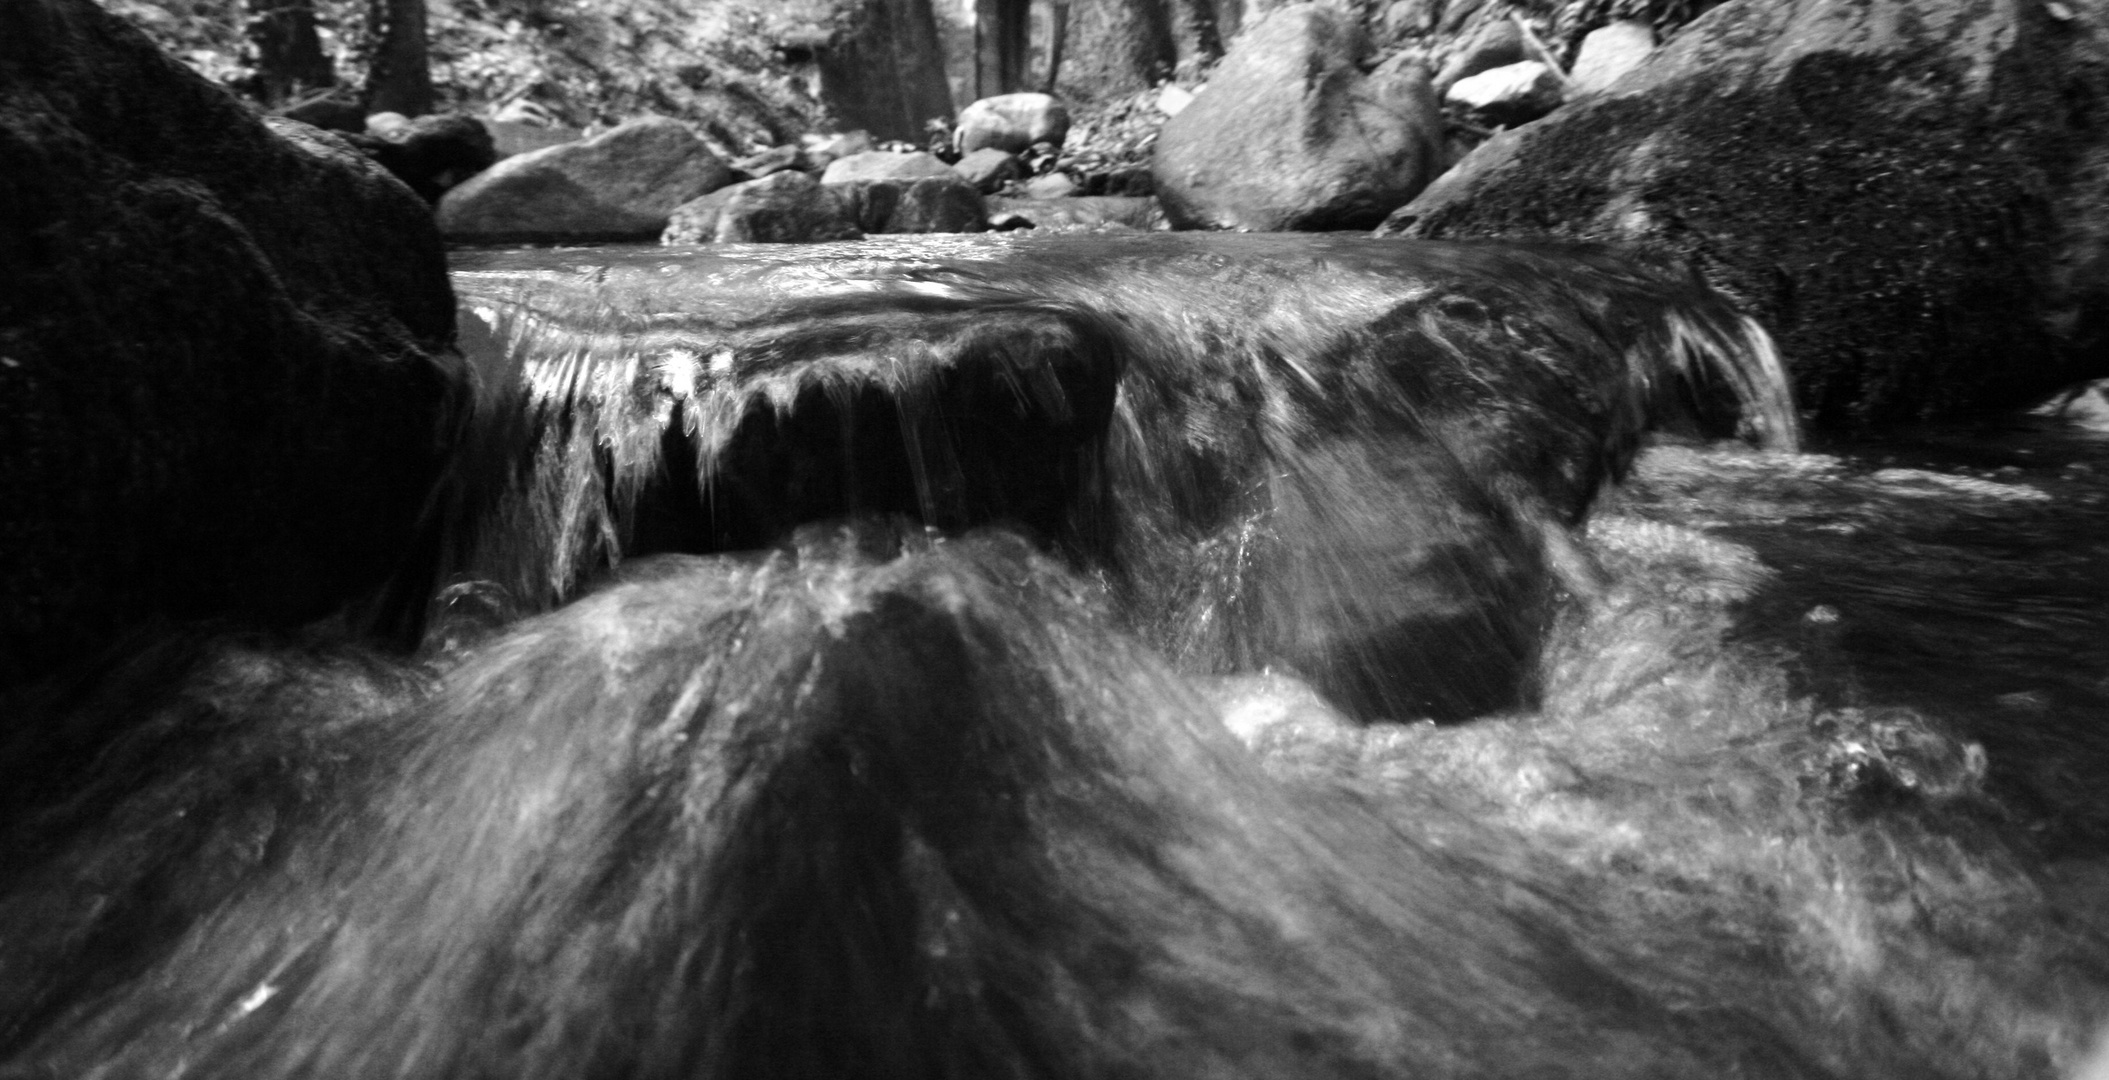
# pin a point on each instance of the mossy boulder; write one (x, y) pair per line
(225, 374)
(1909, 193)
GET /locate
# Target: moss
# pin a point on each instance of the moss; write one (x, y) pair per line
(1893, 228)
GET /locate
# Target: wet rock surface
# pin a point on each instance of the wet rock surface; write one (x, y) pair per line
(224, 381)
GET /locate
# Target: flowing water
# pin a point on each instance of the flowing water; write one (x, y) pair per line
(1194, 656)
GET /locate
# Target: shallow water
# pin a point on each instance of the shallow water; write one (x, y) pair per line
(1848, 707)
(1791, 774)
(1838, 713)
(1358, 457)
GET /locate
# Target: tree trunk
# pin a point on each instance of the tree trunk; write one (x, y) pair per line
(289, 57)
(1117, 47)
(885, 71)
(1200, 31)
(400, 79)
(1003, 30)
(1057, 43)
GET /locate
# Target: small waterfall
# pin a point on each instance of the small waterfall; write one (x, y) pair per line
(957, 658)
(1348, 457)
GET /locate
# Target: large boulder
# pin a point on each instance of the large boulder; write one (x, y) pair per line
(1012, 122)
(1292, 135)
(622, 184)
(785, 207)
(1908, 193)
(225, 350)
(887, 192)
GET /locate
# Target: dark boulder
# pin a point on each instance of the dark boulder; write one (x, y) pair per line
(1908, 193)
(786, 207)
(224, 350)
(905, 193)
(1292, 135)
(619, 185)
(431, 153)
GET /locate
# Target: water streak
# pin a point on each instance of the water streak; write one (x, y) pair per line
(1356, 458)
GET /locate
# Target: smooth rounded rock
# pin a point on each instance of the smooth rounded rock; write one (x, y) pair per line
(1012, 122)
(1509, 95)
(618, 185)
(1292, 135)
(785, 207)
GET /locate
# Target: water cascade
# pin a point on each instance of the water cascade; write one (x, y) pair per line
(1123, 656)
(1359, 459)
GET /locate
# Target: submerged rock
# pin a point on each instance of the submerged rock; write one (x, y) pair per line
(618, 185)
(1292, 135)
(786, 207)
(224, 342)
(1908, 193)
